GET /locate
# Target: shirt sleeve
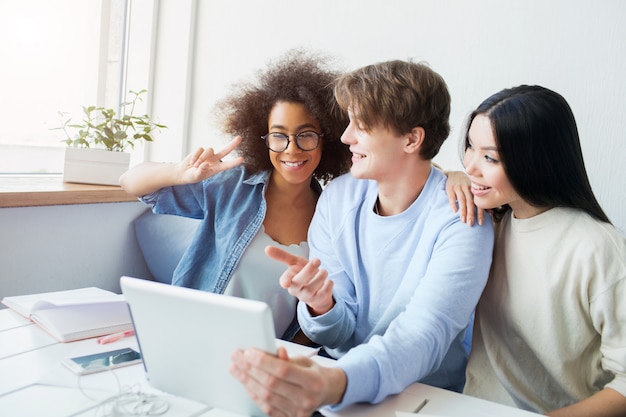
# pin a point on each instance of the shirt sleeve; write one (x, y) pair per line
(337, 325)
(181, 200)
(608, 312)
(606, 268)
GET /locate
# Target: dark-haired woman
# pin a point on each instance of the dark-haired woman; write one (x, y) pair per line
(550, 332)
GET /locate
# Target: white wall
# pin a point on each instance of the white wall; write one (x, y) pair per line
(62, 247)
(575, 47)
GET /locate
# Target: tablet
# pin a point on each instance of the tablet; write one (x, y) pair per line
(186, 338)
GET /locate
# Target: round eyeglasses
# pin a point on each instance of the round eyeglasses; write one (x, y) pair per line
(279, 142)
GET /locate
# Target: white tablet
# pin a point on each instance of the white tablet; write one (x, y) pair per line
(186, 337)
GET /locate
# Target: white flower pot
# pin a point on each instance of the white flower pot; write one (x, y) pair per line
(94, 166)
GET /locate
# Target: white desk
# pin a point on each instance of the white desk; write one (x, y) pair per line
(33, 383)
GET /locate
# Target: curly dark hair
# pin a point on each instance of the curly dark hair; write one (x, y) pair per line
(298, 77)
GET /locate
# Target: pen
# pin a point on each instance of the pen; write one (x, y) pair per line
(420, 406)
(115, 337)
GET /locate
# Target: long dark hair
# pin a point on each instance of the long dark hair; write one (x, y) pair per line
(539, 147)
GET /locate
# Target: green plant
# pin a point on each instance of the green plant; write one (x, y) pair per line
(100, 126)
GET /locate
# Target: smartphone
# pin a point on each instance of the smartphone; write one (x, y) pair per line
(102, 361)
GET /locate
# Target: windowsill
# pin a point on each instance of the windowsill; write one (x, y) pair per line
(50, 190)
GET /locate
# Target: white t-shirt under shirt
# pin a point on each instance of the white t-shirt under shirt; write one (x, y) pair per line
(256, 278)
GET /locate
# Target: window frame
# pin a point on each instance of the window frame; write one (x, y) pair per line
(26, 189)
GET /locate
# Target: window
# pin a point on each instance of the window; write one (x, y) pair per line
(56, 56)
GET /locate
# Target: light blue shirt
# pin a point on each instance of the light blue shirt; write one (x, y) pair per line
(231, 206)
(405, 287)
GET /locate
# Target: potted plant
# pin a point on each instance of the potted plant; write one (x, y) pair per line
(97, 144)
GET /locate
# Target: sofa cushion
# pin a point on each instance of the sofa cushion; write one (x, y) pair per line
(163, 239)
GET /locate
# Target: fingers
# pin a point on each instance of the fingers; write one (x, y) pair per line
(271, 402)
(281, 353)
(468, 199)
(215, 159)
(208, 155)
(277, 384)
(458, 189)
(308, 281)
(285, 257)
(230, 163)
(299, 275)
(203, 163)
(304, 280)
(451, 199)
(461, 204)
(322, 301)
(312, 286)
(230, 146)
(481, 216)
(191, 159)
(294, 262)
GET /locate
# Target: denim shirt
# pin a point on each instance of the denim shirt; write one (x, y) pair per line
(231, 206)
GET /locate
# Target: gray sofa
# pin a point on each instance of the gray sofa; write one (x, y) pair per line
(163, 239)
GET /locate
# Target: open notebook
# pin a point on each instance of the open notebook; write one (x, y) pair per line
(74, 314)
(186, 338)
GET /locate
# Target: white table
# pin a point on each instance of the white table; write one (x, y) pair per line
(33, 382)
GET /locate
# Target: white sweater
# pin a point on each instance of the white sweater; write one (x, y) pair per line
(551, 324)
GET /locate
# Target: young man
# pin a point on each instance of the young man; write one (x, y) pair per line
(401, 273)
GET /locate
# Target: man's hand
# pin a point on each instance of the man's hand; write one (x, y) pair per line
(287, 387)
(305, 280)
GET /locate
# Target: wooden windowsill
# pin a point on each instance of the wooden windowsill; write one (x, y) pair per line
(50, 190)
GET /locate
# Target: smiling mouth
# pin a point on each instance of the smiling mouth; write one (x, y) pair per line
(479, 187)
(294, 164)
(357, 156)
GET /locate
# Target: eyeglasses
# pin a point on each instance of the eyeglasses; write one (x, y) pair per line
(306, 141)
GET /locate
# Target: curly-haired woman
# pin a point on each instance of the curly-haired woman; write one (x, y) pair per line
(288, 130)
